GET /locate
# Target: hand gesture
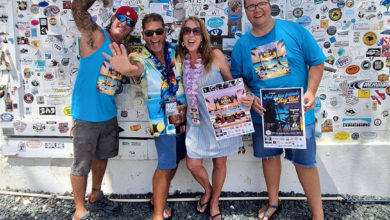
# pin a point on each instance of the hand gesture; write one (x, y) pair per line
(119, 60)
(247, 100)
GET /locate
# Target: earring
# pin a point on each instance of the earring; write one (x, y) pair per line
(182, 44)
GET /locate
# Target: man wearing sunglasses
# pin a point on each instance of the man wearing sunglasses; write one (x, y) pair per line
(95, 127)
(281, 54)
(164, 94)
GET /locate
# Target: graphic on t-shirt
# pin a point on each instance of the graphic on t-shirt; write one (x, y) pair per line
(270, 60)
(108, 79)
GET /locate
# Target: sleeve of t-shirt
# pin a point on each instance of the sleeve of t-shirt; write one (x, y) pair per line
(311, 50)
(236, 62)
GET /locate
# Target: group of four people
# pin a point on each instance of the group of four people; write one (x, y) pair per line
(192, 65)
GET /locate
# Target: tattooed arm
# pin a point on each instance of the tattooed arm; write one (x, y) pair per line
(92, 36)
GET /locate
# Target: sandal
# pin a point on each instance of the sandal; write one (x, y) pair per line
(267, 207)
(206, 204)
(215, 216)
(166, 207)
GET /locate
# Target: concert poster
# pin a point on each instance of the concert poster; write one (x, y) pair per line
(283, 120)
(228, 117)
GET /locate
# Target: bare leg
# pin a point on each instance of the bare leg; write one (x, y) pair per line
(161, 181)
(79, 185)
(272, 169)
(98, 169)
(310, 182)
(195, 166)
(219, 175)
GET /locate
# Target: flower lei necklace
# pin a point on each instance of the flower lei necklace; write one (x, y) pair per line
(191, 82)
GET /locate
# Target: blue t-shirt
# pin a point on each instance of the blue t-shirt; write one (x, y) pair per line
(279, 59)
(95, 88)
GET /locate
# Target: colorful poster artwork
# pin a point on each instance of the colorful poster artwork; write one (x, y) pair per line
(270, 60)
(228, 117)
(283, 120)
(108, 80)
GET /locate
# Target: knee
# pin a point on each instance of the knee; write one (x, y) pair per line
(220, 164)
(193, 167)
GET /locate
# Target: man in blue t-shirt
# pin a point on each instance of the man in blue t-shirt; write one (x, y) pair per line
(95, 127)
(281, 54)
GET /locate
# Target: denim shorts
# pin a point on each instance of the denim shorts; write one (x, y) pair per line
(93, 140)
(170, 150)
(302, 157)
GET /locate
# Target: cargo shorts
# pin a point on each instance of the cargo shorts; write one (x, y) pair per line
(93, 140)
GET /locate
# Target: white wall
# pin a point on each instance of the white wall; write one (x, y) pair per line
(344, 169)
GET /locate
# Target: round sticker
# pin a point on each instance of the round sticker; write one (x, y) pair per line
(369, 38)
(53, 21)
(383, 77)
(331, 30)
(341, 4)
(377, 122)
(275, 10)
(34, 22)
(366, 65)
(335, 14)
(355, 136)
(326, 44)
(352, 69)
(377, 65)
(67, 111)
(28, 98)
(388, 90)
(322, 96)
(51, 11)
(297, 12)
(324, 9)
(341, 136)
(350, 3)
(34, 8)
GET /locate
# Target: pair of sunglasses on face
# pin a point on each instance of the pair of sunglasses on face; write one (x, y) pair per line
(196, 31)
(149, 33)
(123, 18)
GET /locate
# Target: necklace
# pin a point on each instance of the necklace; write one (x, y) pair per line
(191, 82)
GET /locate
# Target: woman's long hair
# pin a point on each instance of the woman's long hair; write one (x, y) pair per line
(205, 48)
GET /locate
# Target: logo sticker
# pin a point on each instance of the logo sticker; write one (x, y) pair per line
(369, 38)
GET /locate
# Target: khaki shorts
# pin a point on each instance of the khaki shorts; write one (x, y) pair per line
(93, 140)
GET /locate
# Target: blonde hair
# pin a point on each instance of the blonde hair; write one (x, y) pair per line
(205, 48)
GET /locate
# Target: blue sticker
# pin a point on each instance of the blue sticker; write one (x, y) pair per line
(226, 11)
(234, 18)
(304, 21)
(34, 32)
(43, 4)
(215, 22)
(6, 117)
(215, 32)
(332, 39)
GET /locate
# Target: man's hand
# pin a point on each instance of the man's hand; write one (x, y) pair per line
(309, 101)
(257, 106)
(119, 60)
(247, 100)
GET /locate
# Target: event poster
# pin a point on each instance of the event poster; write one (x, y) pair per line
(283, 120)
(228, 117)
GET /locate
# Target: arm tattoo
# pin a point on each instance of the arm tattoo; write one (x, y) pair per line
(82, 17)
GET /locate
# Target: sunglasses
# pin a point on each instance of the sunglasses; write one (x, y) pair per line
(123, 18)
(150, 33)
(196, 31)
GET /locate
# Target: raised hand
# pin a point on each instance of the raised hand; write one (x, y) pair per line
(119, 60)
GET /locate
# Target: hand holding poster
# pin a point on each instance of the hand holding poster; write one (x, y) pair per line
(283, 120)
(228, 117)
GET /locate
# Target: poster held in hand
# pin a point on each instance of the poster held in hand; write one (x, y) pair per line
(284, 118)
(228, 117)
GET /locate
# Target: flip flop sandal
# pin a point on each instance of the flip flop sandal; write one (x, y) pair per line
(268, 206)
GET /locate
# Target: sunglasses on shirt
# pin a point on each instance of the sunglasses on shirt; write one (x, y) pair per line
(196, 31)
(123, 18)
(150, 33)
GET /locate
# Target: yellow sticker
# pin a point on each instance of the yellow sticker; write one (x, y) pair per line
(369, 38)
(67, 111)
(341, 136)
(364, 94)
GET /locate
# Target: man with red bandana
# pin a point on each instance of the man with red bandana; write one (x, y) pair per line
(95, 133)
